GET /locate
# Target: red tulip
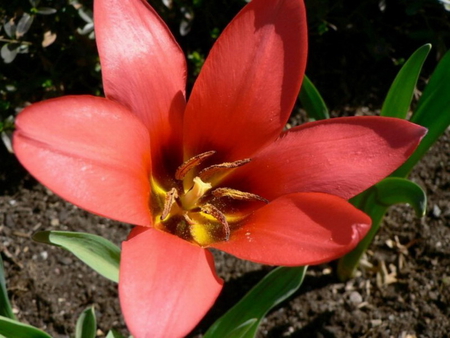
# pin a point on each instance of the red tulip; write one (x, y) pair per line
(217, 171)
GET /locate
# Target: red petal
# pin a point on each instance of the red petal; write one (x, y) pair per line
(341, 156)
(299, 229)
(143, 68)
(250, 81)
(91, 151)
(166, 284)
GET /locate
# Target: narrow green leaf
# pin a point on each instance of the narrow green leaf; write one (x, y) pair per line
(375, 201)
(86, 324)
(97, 252)
(274, 288)
(398, 99)
(114, 334)
(394, 190)
(13, 329)
(312, 101)
(242, 330)
(367, 202)
(433, 112)
(5, 305)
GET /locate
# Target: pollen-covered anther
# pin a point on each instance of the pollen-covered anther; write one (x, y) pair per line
(219, 216)
(190, 164)
(237, 195)
(219, 169)
(170, 198)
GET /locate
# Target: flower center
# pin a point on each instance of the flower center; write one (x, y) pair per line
(197, 208)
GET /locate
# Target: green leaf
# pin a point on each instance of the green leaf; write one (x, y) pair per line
(86, 324)
(394, 190)
(312, 101)
(375, 201)
(367, 202)
(433, 112)
(97, 252)
(5, 305)
(243, 329)
(274, 288)
(398, 99)
(13, 329)
(114, 334)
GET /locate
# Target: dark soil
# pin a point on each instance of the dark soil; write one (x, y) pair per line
(403, 291)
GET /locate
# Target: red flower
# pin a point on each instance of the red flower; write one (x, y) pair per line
(212, 172)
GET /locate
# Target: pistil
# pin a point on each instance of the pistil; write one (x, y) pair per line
(190, 200)
(197, 208)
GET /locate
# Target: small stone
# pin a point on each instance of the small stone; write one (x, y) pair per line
(436, 212)
(44, 255)
(376, 322)
(65, 260)
(356, 298)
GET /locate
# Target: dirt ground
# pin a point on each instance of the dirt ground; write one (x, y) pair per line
(405, 292)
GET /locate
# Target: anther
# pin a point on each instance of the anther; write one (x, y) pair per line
(218, 215)
(237, 195)
(191, 164)
(208, 172)
(170, 198)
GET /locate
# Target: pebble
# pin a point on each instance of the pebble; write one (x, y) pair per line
(65, 260)
(436, 211)
(356, 298)
(44, 255)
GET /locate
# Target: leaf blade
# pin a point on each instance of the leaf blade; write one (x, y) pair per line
(395, 190)
(312, 101)
(114, 334)
(275, 287)
(86, 324)
(24, 24)
(5, 305)
(13, 329)
(375, 202)
(432, 112)
(97, 252)
(400, 94)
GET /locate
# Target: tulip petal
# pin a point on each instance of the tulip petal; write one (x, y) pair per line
(299, 229)
(166, 284)
(341, 156)
(249, 82)
(91, 151)
(143, 68)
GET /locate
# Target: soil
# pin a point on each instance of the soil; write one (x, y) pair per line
(403, 290)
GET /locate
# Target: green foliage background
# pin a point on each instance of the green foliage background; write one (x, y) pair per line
(355, 50)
